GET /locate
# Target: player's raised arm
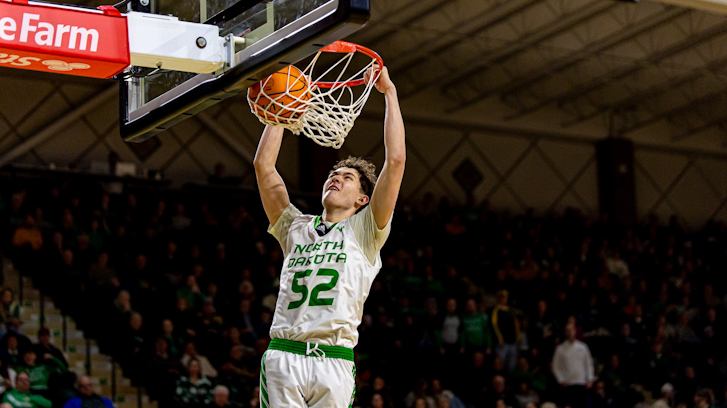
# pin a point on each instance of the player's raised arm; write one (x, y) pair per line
(272, 188)
(383, 199)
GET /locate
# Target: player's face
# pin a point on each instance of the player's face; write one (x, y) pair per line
(343, 189)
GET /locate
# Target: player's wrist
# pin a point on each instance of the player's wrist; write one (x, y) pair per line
(390, 90)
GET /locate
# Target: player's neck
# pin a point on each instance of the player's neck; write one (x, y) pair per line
(337, 214)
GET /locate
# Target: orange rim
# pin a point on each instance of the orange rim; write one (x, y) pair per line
(345, 47)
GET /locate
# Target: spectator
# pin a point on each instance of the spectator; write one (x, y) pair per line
(11, 355)
(135, 335)
(449, 330)
(377, 401)
(180, 222)
(704, 398)
(238, 370)
(102, 275)
(421, 403)
(573, 369)
(525, 395)
(667, 397)
(209, 327)
(163, 370)
(9, 309)
(45, 349)
(20, 396)
(7, 378)
(86, 397)
(599, 398)
(498, 392)
(244, 321)
(221, 398)
(192, 293)
(190, 352)
(28, 235)
(175, 344)
(473, 381)
(184, 318)
(122, 307)
(507, 330)
(193, 390)
(420, 392)
(543, 331)
(40, 373)
(452, 401)
(476, 330)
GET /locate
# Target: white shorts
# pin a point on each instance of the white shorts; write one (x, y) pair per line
(298, 381)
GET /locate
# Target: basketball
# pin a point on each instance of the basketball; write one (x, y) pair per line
(281, 97)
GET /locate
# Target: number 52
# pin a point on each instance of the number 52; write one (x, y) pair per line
(323, 287)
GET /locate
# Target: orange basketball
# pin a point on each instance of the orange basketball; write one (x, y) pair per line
(281, 97)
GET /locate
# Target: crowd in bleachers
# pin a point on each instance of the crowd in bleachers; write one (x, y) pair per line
(473, 307)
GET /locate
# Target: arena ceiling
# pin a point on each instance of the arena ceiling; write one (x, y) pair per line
(581, 69)
(647, 71)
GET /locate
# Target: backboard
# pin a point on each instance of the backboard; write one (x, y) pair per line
(276, 32)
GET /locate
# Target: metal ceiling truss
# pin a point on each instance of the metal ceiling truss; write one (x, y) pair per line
(618, 37)
(391, 28)
(641, 95)
(461, 84)
(461, 31)
(687, 106)
(719, 121)
(634, 66)
(530, 31)
(76, 113)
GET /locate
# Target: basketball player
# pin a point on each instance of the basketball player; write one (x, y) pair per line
(330, 262)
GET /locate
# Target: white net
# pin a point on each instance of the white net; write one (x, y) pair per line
(327, 110)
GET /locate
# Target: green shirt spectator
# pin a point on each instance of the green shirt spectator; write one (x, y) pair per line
(20, 396)
(195, 390)
(192, 293)
(476, 333)
(40, 373)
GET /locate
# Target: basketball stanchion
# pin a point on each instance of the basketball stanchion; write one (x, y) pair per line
(324, 111)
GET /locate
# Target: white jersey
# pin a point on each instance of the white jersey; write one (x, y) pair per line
(326, 279)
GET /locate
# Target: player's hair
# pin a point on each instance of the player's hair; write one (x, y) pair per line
(366, 171)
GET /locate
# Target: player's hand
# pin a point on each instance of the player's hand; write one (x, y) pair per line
(383, 83)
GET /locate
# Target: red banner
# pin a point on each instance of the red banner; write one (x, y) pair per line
(65, 40)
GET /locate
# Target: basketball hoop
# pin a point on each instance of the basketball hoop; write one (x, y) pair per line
(329, 107)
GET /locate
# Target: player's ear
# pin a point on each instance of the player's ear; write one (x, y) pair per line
(363, 200)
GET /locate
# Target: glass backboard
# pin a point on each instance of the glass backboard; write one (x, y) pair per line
(277, 33)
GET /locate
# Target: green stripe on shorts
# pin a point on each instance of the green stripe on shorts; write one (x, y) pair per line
(353, 395)
(264, 401)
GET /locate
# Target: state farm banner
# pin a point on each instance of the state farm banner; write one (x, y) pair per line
(72, 41)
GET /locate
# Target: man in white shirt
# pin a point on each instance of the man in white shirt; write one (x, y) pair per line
(667, 396)
(573, 368)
